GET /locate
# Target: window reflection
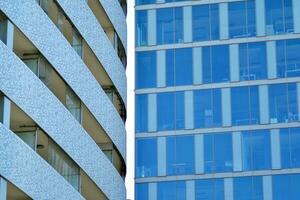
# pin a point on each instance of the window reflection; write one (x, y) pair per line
(171, 190)
(145, 69)
(146, 157)
(289, 146)
(248, 188)
(141, 113)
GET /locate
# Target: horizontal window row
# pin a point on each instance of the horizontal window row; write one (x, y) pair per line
(276, 187)
(218, 153)
(236, 19)
(206, 108)
(216, 64)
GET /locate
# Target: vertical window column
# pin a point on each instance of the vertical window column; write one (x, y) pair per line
(267, 188)
(197, 65)
(152, 113)
(263, 104)
(296, 13)
(152, 194)
(162, 156)
(237, 151)
(226, 106)
(234, 62)
(190, 190)
(151, 27)
(187, 25)
(189, 109)
(199, 154)
(260, 18)
(271, 60)
(228, 189)
(275, 148)
(161, 68)
(224, 21)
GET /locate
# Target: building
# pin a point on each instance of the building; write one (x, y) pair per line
(62, 99)
(217, 100)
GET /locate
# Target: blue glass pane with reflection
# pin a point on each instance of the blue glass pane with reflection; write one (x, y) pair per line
(146, 157)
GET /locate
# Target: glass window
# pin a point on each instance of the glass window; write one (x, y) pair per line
(279, 16)
(242, 19)
(256, 150)
(141, 191)
(289, 146)
(288, 59)
(73, 104)
(248, 188)
(141, 113)
(171, 190)
(145, 75)
(170, 111)
(169, 25)
(180, 155)
(141, 28)
(283, 103)
(142, 2)
(207, 108)
(179, 67)
(215, 62)
(205, 22)
(217, 153)
(209, 189)
(244, 105)
(146, 157)
(286, 187)
(253, 62)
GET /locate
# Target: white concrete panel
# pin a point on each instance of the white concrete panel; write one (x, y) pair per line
(190, 190)
(224, 21)
(189, 109)
(296, 15)
(226, 106)
(161, 156)
(187, 25)
(260, 18)
(3, 188)
(199, 154)
(267, 188)
(151, 27)
(237, 151)
(234, 62)
(197, 65)
(264, 104)
(161, 68)
(152, 113)
(228, 188)
(275, 148)
(152, 191)
(271, 60)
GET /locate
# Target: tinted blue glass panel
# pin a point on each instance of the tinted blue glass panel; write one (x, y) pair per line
(146, 157)
(145, 69)
(141, 191)
(256, 150)
(283, 103)
(253, 63)
(217, 153)
(141, 2)
(279, 16)
(165, 111)
(179, 109)
(141, 28)
(245, 105)
(242, 19)
(289, 146)
(180, 155)
(171, 190)
(183, 67)
(207, 108)
(248, 188)
(286, 187)
(141, 113)
(169, 25)
(288, 59)
(215, 62)
(205, 22)
(210, 189)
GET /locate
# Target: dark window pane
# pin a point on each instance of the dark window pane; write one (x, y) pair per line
(289, 146)
(141, 2)
(141, 113)
(145, 69)
(141, 28)
(180, 155)
(183, 67)
(141, 191)
(171, 190)
(146, 157)
(165, 111)
(248, 188)
(210, 189)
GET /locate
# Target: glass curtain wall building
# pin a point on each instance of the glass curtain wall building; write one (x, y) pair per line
(217, 100)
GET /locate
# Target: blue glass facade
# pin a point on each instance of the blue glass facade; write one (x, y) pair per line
(217, 100)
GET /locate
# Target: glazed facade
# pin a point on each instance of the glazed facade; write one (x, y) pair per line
(62, 99)
(217, 100)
